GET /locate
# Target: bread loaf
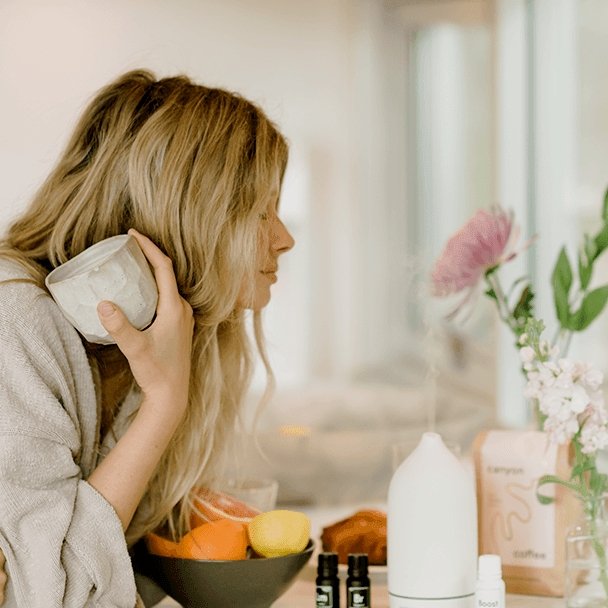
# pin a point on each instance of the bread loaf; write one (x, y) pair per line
(362, 532)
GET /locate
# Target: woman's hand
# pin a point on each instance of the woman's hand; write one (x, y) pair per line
(3, 577)
(160, 355)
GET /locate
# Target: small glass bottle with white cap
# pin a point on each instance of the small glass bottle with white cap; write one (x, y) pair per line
(490, 591)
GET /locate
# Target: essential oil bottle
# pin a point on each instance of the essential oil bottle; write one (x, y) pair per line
(490, 586)
(358, 589)
(328, 583)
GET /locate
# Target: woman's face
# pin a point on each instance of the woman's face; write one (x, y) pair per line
(274, 240)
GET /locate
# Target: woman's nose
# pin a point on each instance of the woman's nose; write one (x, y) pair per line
(282, 241)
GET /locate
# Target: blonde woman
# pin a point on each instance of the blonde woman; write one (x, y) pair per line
(100, 445)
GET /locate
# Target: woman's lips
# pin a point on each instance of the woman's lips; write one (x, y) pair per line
(271, 276)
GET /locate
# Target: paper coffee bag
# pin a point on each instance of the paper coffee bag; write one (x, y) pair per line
(528, 536)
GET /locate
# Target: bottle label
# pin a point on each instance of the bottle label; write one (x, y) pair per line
(489, 598)
(357, 597)
(325, 596)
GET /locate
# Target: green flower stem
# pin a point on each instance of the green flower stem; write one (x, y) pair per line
(501, 301)
(566, 337)
(540, 417)
(507, 317)
(598, 547)
(601, 555)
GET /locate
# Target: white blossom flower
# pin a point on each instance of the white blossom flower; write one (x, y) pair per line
(564, 381)
(561, 432)
(546, 374)
(527, 354)
(578, 399)
(569, 395)
(547, 350)
(593, 378)
(533, 390)
(567, 365)
(596, 399)
(594, 436)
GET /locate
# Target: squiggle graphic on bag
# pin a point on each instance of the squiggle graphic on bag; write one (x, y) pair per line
(503, 523)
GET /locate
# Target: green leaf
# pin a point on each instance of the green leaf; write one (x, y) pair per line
(601, 241)
(563, 271)
(590, 248)
(491, 294)
(581, 468)
(591, 307)
(585, 262)
(523, 309)
(597, 483)
(517, 282)
(545, 479)
(584, 272)
(605, 207)
(562, 281)
(544, 500)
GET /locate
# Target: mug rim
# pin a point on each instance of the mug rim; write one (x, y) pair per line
(66, 267)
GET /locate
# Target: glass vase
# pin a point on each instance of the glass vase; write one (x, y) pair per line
(586, 560)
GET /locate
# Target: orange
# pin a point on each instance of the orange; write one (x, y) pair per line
(220, 539)
(217, 505)
(161, 546)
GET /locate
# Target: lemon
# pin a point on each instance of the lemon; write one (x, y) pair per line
(279, 532)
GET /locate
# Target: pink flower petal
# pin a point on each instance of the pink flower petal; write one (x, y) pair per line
(483, 242)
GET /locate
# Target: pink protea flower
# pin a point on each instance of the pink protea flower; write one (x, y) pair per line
(484, 242)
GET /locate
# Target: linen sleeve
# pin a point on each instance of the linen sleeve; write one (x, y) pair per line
(63, 541)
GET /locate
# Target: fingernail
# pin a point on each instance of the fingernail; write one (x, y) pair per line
(106, 308)
(132, 230)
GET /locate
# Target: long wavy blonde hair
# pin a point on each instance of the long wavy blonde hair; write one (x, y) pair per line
(192, 168)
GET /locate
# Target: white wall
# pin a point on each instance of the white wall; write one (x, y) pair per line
(312, 65)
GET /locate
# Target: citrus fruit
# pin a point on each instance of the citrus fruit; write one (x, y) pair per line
(279, 532)
(220, 539)
(215, 505)
(161, 546)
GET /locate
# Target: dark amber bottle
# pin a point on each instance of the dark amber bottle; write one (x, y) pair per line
(328, 583)
(358, 589)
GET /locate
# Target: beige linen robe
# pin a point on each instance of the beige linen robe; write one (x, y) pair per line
(63, 541)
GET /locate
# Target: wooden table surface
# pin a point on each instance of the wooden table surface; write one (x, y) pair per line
(302, 595)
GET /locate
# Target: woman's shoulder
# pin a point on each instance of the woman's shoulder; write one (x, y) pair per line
(18, 289)
(13, 274)
(42, 355)
(27, 309)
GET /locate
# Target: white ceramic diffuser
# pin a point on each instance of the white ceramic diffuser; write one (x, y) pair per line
(432, 530)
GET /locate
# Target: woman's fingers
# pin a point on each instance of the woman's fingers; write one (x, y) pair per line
(127, 337)
(163, 270)
(160, 355)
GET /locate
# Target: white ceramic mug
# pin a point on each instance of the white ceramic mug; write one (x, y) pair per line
(114, 269)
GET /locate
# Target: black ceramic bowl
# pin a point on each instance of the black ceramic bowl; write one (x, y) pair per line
(197, 583)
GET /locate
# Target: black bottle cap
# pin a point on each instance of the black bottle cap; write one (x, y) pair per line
(327, 564)
(357, 564)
